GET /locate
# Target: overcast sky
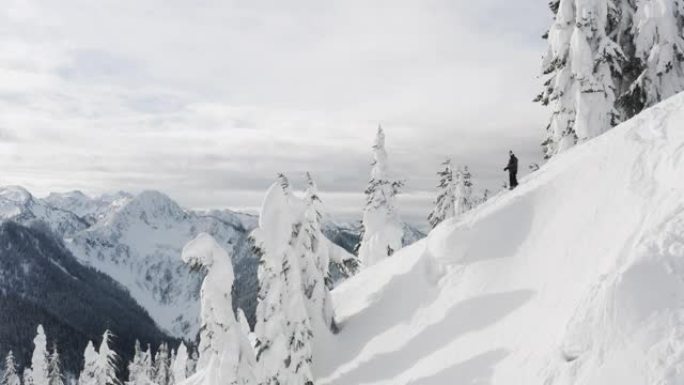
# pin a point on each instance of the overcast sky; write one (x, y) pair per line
(206, 100)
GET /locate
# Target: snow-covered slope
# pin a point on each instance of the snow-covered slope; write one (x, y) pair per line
(18, 205)
(576, 277)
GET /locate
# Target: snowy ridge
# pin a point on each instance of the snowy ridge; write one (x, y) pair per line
(576, 277)
(90, 209)
(18, 205)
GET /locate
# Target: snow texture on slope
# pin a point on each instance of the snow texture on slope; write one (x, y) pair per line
(574, 278)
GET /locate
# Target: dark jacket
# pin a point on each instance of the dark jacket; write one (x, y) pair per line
(512, 165)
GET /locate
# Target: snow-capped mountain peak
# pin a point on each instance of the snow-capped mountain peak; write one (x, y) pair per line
(151, 207)
(91, 209)
(19, 205)
(15, 194)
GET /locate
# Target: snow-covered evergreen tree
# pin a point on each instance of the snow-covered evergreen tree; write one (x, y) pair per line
(283, 330)
(27, 376)
(180, 364)
(39, 360)
(607, 61)
(88, 375)
(148, 363)
(55, 376)
(10, 375)
(162, 366)
(445, 204)
(485, 196)
(657, 53)
(582, 63)
(136, 368)
(192, 363)
(105, 364)
(172, 359)
(225, 354)
(382, 229)
(313, 254)
(464, 191)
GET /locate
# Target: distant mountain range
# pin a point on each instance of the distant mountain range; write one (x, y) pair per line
(137, 239)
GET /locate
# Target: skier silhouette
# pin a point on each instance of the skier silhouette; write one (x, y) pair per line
(512, 169)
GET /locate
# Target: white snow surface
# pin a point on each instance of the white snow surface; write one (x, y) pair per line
(574, 278)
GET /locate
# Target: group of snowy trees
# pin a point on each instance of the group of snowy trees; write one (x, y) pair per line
(455, 193)
(294, 308)
(166, 367)
(100, 366)
(45, 369)
(607, 60)
(382, 228)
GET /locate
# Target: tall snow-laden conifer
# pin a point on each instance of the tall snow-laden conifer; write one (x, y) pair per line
(10, 375)
(39, 360)
(607, 61)
(137, 374)
(55, 376)
(464, 191)
(657, 51)
(88, 375)
(582, 63)
(28, 378)
(162, 366)
(180, 364)
(225, 354)
(192, 362)
(382, 229)
(485, 196)
(148, 364)
(445, 204)
(314, 260)
(105, 367)
(283, 330)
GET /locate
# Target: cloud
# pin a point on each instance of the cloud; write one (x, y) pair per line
(208, 100)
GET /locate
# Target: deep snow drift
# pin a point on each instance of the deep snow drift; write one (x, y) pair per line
(576, 277)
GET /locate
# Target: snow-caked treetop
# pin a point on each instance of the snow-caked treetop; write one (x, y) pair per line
(225, 354)
(382, 228)
(607, 60)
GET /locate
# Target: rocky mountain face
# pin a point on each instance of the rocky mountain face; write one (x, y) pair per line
(139, 244)
(137, 241)
(42, 283)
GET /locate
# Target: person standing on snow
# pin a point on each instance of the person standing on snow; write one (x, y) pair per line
(512, 169)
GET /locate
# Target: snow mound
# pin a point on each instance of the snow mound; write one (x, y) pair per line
(574, 278)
